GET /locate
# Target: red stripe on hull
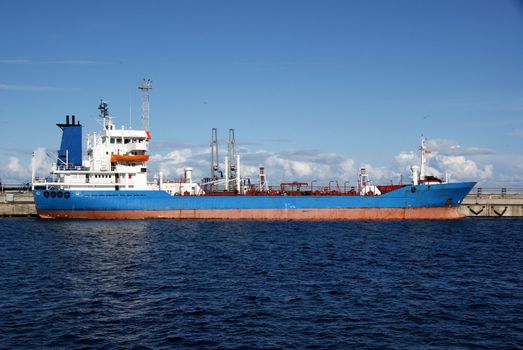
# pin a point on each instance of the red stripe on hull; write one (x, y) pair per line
(263, 214)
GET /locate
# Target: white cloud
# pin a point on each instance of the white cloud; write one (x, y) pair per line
(462, 169)
(303, 165)
(13, 166)
(308, 165)
(405, 160)
(448, 157)
(42, 162)
(19, 170)
(173, 163)
(382, 174)
(347, 166)
(15, 172)
(451, 147)
(174, 157)
(406, 157)
(288, 167)
(507, 170)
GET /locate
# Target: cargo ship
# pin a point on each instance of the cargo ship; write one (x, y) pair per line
(111, 182)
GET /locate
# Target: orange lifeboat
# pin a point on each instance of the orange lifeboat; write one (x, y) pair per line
(128, 158)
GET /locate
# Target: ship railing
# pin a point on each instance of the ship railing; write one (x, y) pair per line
(496, 192)
(69, 167)
(56, 184)
(314, 190)
(134, 146)
(14, 187)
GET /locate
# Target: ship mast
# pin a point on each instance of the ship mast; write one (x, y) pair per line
(104, 114)
(423, 150)
(145, 88)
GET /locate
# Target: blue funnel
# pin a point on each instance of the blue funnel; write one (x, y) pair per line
(70, 151)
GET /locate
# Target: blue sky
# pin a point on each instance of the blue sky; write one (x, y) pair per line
(313, 88)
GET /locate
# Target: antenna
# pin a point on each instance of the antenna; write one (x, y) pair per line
(104, 114)
(145, 88)
(130, 112)
(103, 108)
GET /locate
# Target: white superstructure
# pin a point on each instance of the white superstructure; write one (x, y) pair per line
(117, 159)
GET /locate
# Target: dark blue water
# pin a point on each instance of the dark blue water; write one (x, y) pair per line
(205, 284)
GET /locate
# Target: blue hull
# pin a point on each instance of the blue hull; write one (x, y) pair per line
(408, 197)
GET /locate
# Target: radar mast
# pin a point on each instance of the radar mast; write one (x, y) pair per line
(145, 88)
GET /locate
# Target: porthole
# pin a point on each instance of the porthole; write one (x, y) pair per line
(413, 189)
(46, 194)
(59, 194)
(53, 194)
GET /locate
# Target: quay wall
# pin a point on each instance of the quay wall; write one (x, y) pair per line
(17, 204)
(492, 205)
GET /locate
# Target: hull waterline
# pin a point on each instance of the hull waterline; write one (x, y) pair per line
(264, 214)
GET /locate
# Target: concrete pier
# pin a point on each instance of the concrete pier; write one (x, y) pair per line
(494, 203)
(17, 204)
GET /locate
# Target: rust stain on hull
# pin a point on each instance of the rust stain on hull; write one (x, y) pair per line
(264, 214)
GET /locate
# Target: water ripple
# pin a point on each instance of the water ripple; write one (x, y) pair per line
(264, 285)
